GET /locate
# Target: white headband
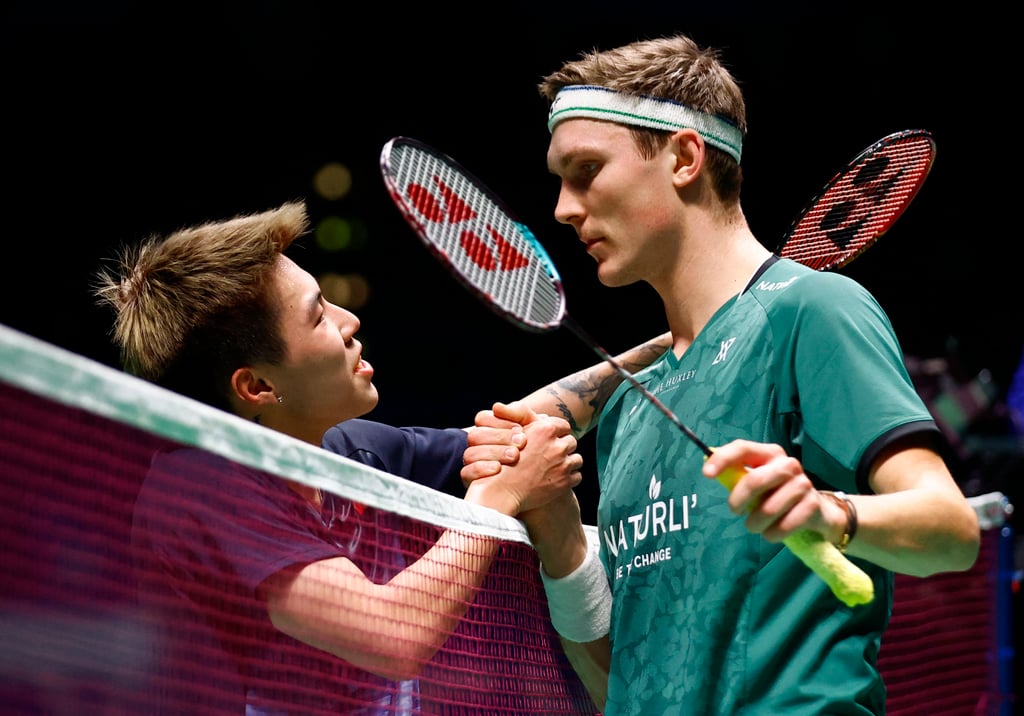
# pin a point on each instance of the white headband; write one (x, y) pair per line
(594, 102)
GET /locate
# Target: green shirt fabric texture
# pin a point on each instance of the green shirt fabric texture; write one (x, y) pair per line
(708, 618)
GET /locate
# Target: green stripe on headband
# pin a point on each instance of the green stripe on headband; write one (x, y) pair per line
(592, 102)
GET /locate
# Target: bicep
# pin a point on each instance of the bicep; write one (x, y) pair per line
(908, 465)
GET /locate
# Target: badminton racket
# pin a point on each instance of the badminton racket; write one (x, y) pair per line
(473, 233)
(861, 202)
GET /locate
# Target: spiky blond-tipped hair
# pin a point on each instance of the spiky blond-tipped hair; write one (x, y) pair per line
(167, 291)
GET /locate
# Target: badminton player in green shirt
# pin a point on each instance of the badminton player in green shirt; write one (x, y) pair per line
(689, 603)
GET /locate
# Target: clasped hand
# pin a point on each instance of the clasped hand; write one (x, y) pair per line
(530, 458)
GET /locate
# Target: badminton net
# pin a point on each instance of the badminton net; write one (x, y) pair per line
(82, 633)
(85, 630)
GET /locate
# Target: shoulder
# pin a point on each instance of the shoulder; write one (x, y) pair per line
(368, 435)
(788, 276)
(788, 286)
(206, 469)
(429, 456)
(215, 486)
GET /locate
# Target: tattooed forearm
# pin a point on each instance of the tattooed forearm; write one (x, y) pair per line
(580, 397)
(588, 390)
(555, 391)
(643, 355)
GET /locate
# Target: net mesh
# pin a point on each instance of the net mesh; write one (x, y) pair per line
(92, 625)
(944, 652)
(85, 629)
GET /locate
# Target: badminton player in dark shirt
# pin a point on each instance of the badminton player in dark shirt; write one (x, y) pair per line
(273, 596)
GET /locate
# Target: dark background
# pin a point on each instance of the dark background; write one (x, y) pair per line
(121, 122)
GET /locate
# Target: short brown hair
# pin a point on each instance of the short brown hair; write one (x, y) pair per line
(673, 68)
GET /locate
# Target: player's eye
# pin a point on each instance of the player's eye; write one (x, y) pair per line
(583, 174)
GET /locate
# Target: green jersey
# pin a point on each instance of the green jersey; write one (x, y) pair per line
(708, 618)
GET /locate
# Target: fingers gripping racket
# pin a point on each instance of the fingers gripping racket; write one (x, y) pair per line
(471, 232)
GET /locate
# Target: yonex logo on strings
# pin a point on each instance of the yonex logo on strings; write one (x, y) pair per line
(869, 186)
(490, 251)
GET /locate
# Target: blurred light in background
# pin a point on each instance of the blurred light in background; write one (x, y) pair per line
(350, 291)
(333, 181)
(335, 234)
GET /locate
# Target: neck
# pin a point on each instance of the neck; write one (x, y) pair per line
(714, 265)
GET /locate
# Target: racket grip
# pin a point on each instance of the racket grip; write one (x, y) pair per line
(851, 584)
(848, 582)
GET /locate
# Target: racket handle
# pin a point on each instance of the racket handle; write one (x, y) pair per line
(850, 583)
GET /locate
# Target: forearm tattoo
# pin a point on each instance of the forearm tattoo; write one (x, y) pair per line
(590, 388)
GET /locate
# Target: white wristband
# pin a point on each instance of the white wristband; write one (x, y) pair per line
(580, 602)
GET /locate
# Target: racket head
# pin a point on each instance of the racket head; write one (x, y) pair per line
(473, 234)
(862, 202)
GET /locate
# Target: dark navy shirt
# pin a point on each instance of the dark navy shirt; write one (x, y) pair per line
(208, 532)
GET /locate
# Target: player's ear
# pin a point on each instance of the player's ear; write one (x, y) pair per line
(688, 155)
(250, 388)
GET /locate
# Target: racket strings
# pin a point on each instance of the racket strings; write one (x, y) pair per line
(862, 202)
(487, 249)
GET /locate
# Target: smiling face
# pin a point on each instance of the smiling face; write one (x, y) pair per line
(624, 207)
(323, 378)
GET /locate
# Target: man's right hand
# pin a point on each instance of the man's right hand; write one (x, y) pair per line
(547, 466)
(495, 441)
